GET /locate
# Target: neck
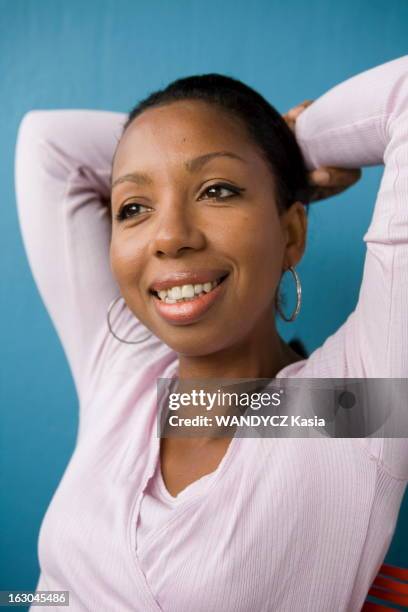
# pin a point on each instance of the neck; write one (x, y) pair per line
(262, 355)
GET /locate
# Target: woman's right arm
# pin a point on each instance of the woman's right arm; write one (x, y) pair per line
(63, 166)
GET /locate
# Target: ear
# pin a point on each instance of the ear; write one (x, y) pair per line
(294, 228)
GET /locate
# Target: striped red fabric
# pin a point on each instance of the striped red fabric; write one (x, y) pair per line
(390, 585)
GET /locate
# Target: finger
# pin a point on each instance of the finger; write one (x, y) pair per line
(293, 113)
(289, 123)
(319, 193)
(319, 177)
(287, 118)
(299, 107)
(322, 193)
(335, 177)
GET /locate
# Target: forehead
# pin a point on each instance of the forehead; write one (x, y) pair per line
(178, 130)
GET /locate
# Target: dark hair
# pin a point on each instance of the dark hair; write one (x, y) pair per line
(264, 124)
(297, 345)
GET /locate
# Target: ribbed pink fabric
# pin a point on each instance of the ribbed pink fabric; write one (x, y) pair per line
(158, 505)
(282, 524)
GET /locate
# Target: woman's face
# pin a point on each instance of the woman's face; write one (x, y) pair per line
(197, 197)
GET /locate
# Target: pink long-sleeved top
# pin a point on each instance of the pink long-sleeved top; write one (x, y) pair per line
(282, 524)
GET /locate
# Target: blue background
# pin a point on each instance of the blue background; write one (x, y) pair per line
(107, 54)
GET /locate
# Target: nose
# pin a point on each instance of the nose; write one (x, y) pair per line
(177, 230)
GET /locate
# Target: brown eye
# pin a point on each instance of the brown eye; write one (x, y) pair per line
(123, 213)
(220, 192)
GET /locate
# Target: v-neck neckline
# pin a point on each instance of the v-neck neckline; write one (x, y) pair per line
(181, 506)
(197, 486)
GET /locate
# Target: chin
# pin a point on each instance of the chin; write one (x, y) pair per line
(195, 343)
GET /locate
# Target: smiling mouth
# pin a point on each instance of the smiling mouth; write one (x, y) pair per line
(187, 292)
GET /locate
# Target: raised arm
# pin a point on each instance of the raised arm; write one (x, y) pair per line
(363, 122)
(63, 165)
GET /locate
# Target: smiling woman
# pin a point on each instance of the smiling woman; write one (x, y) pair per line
(218, 162)
(208, 186)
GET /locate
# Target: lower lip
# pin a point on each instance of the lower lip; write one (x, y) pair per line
(190, 311)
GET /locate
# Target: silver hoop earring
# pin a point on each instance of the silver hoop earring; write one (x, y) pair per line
(111, 305)
(298, 297)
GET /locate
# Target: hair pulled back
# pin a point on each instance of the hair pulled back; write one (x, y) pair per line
(265, 126)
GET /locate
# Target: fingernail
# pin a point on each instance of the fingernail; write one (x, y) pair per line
(321, 176)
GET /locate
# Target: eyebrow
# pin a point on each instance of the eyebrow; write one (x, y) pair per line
(192, 165)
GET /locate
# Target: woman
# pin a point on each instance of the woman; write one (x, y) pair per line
(202, 192)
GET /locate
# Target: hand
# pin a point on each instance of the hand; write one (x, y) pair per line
(325, 181)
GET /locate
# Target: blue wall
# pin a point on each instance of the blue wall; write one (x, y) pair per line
(107, 54)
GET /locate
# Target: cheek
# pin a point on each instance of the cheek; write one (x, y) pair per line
(268, 250)
(126, 260)
(261, 252)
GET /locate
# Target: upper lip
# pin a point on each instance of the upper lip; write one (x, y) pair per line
(190, 277)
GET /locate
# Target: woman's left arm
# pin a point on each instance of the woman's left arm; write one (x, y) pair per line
(364, 122)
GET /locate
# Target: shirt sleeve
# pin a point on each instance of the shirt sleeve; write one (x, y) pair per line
(363, 122)
(62, 174)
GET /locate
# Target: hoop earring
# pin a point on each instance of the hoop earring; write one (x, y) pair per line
(111, 305)
(298, 297)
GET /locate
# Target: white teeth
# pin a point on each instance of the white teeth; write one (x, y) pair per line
(175, 293)
(185, 292)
